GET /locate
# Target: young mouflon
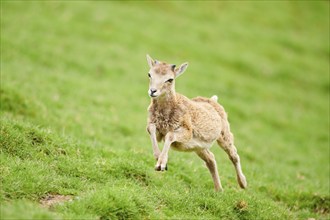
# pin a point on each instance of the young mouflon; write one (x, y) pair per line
(188, 125)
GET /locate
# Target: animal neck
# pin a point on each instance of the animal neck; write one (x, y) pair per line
(166, 100)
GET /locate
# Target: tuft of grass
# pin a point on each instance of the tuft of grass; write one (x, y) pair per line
(73, 108)
(23, 209)
(16, 103)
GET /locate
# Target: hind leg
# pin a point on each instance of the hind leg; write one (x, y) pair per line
(226, 142)
(211, 164)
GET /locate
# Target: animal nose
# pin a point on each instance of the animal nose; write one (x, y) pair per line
(152, 91)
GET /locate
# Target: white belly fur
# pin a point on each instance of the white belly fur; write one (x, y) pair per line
(193, 145)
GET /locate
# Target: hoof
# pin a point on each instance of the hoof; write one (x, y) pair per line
(242, 182)
(220, 190)
(161, 168)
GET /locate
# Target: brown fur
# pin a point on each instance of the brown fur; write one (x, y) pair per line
(162, 68)
(187, 124)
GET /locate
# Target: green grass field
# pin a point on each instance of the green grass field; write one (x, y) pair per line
(74, 98)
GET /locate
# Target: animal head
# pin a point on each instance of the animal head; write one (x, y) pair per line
(162, 77)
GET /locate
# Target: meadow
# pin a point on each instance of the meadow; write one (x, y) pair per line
(74, 98)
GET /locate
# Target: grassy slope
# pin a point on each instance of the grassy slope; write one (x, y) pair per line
(73, 108)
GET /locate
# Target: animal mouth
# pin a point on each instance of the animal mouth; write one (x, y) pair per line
(153, 95)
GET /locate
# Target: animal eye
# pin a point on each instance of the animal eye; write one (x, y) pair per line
(170, 80)
(149, 75)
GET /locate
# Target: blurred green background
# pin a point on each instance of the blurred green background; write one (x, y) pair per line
(74, 97)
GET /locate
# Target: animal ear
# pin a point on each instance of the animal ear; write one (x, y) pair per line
(181, 69)
(151, 62)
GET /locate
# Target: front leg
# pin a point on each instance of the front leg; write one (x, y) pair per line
(162, 160)
(152, 132)
(183, 134)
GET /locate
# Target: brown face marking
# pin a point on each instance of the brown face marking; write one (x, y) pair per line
(163, 68)
(161, 73)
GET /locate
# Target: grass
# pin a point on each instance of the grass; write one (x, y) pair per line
(74, 98)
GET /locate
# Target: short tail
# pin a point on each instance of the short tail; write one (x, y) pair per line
(214, 98)
(214, 102)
